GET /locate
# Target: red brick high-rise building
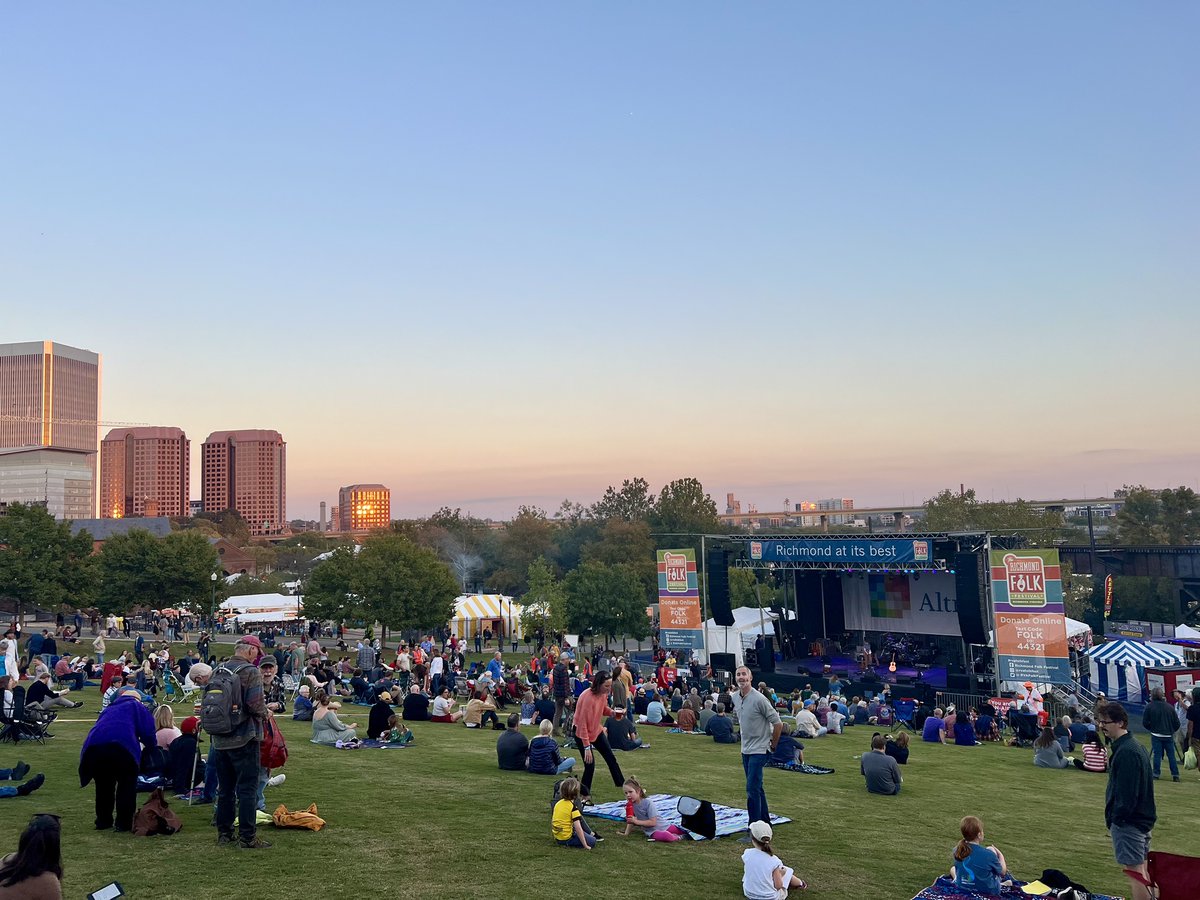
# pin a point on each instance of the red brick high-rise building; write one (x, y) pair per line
(246, 471)
(144, 472)
(362, 507)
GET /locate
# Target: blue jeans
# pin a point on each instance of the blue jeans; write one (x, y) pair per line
(1159, 746)
(210, 778)
(260, 797)
(565, 766)
(756, 797)
(575, 842)
(237, 780)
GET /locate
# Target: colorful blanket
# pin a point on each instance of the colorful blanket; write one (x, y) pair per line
(729, 819)
(945, 889)
(369, 744)
(802, 767)
(681, 731)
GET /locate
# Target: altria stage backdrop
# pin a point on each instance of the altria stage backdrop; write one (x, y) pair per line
(1031, 631)
(896, 602)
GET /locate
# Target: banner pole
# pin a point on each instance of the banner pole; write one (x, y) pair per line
(704, 604)
(992, 613)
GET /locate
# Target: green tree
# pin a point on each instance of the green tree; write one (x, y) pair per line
(628, 543)
(228, 523)
(139, 570)
(683, 508)
(329, 589)
(632, 502)
(951, 511)
(188, 561)
(41, 562)
(404, 586)
(1170, 516)
(529, 535)
(606, 600)
(544, 605)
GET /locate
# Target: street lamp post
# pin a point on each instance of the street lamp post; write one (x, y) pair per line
(212, 609)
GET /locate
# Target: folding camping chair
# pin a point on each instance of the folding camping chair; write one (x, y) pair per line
(174, 690)
(24, 723)
(1025, 728)
(905, 709)
(290, 685)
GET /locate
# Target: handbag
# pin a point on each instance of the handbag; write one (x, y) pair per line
(274, 752)
(1189, 758)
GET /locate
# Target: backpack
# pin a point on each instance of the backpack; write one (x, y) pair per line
(274, 752)
(221, 708)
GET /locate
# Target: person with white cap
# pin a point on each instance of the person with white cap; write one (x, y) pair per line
(764, 876)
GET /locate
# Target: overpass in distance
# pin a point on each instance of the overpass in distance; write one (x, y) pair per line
(898, 509)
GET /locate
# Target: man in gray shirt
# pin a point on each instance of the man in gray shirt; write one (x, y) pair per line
(881, 771)
(761, 728)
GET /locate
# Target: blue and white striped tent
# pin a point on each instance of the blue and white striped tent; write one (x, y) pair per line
(1119, 666)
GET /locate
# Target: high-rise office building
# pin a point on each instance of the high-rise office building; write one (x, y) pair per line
(144, 472)
(362, 507)
(50, 398)
(246, 471)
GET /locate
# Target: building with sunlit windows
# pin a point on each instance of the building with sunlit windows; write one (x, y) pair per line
(144, 472)
(246, 471)
(362, 507)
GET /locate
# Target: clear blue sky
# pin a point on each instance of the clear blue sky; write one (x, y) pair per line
(499, 253)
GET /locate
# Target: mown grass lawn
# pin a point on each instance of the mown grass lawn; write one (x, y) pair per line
(439, 819)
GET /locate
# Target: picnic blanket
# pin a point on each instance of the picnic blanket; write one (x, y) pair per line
(369, 744)
(730, 820)
(802, 767)
(681, 731)
(945, 889)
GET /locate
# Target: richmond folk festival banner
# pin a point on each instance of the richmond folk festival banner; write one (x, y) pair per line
(1031, 630)
(680, 623)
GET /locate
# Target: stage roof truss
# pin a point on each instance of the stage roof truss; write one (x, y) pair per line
(937, 565)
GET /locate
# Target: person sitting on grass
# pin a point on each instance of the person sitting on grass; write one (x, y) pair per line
(164, 724)
(976, 867)
(512, 747)
(443, 707)
(933, 730)
(685, 719)
(639, 813)
(879, 769)
(706, 712)
(1048, 752)
(16, 773)
(528, 708)
(35, 871)
(377, 718)
(897, 748)
(544, 755)
(1062, 734)
(416, 705)
(964, 731)
(45, 699)
(544, 709)
(621, 733)
(566, 822)
(1095, 757)
(327, 727)
(397, 732)
(807, 723)
(764, 876)
(788, 752)
(720, 727)
(480, 710)
(986, 726)
(302, 707)
(834, 720)
(656, 714)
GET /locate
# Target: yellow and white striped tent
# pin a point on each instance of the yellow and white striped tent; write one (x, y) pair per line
(474, 612)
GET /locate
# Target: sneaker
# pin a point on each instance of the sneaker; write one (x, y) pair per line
(256, 844)
(599, 838)
(77, 705)
(30, 786)
(226, 840)
(1174, 777)
(20, 770)
(276, 780)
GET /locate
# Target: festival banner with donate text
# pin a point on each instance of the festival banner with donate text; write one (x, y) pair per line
(1031, 628)
(680, 623)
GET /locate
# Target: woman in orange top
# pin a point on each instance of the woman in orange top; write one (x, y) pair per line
(591, 709)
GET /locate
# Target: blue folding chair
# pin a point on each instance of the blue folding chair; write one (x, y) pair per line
(905, 708)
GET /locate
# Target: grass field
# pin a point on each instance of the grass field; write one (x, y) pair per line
(439, 819)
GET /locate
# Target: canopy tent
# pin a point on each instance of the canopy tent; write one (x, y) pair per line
(1119, 666)
(1186, 633)
(279, 615)
(475, 612)
(256, 603)
(746, 627)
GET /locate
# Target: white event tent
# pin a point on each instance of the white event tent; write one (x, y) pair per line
(257, 608)
(1119, 667)
(747, 626)
(474, 612)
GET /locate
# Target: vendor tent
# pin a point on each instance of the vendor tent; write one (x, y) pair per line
(1186, 633)
(1119, 666)
(259, 603)
(475, 612)
(258, 618)
(747, 626)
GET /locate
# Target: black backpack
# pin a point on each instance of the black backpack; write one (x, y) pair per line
(221, 708)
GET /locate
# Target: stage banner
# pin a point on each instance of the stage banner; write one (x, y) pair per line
(1031, 629)
(900, 603)
(851, 551)
(679, 621)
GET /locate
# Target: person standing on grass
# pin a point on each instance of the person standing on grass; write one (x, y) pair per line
(761, 728)
(560, 682)
(238, 751)
(1161, 720)
(1129, 810)
(590, 711)
(111, 754)
(1193, 720)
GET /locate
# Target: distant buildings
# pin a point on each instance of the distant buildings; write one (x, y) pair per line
(49, 416)
(837, 503)
(144, 472)
(246, 471)
(362, 507)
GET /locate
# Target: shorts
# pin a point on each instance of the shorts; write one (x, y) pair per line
(1130, 845)
(782, 893)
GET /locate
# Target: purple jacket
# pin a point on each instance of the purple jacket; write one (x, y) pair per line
(126, 722)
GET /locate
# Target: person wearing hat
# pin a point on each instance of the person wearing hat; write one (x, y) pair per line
(272, 687)
(377, 719)
(1034, 698)
(764, 876)
(237, 753)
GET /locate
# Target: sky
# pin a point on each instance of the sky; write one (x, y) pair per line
(504, 254)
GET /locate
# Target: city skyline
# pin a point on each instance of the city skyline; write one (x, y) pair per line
(869, 252)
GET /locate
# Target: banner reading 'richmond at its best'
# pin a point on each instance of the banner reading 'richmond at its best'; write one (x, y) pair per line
(1031, 631)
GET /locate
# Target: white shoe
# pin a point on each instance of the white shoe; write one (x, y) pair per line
(276, 780)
